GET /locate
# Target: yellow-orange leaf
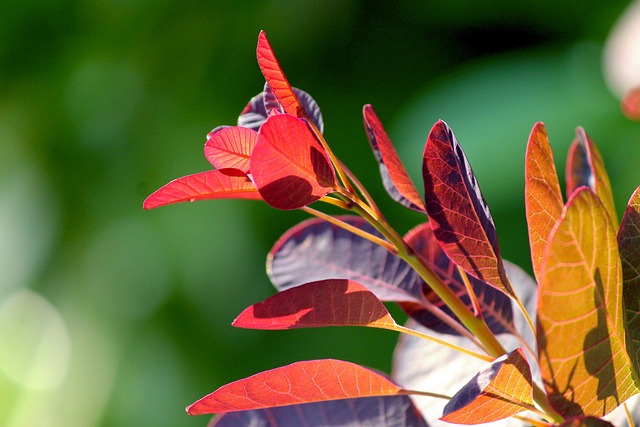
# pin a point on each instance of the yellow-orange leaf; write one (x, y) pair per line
(583, 361)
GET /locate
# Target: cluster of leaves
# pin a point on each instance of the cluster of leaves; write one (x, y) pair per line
(563, 349)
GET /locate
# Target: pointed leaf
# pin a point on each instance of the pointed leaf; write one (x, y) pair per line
(395, 178)
(276, 79)
(543, 196)
(629, 246)
(397, 411)
(316, 250)
(335, 302)
(495, 393)
(300, 382)
(585, 167)
(288, 165)
(496, 306)
(216, 184)
(459, 214)
(230, 148)
(583, 361)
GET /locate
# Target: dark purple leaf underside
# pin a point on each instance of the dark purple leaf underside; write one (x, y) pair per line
(495, 305)
(397, 411)
(458, 212)
(395, 178)
(629, 247)
(316, 250)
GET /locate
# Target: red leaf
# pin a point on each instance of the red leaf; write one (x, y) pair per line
(231, 148)
(395, 178)
(216, 184)
(300, 382)
(631, 104)
(334, 302)
(459, 214)
(585, 167)
(495, 393)
(543, 197)
(276, 79)
(288, 165)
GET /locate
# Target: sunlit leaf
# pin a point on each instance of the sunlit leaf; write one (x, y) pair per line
(300, 382)
(215, 184)
(543, 196)
(583, 421)
(230, 148)
(585, 167)
(629, 247)
(496, 307)
(288, 165)
(583, 361)
(335, 302)
(397, 411)
(458, 212)
(276, 79)
(496, 392)
(316, 250)
(395, 178)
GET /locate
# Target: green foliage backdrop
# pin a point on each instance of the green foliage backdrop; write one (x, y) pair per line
(112, 316)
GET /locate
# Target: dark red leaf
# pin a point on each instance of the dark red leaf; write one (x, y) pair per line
(300, 382)
(288, 165)
(336, 302)
(459, 214)
(583, 421)
(395, 178)
(216, 184)
(316, 250)
(231, 147)
(397, 411)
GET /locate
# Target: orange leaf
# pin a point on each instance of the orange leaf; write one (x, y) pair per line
(300, 382)
(497, 392)
(543, 197)
(629, 246)
(333, 302)
(583, 362)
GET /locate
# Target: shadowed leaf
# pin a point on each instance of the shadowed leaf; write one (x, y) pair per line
(495, 393)
(543, 196)
(276, 79)
(395, 178)
(288, 165)
(216, 184)
(586, 168)
(582, 421)
(318, 304)
(316, 250)
(397, 411)
(629, 246)
(459, 215)
(230, 148)
(496, 307)
(584, 365)
(300, 382)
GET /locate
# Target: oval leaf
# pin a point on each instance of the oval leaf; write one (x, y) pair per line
(216, 184)
(496, 392)
(580, 297)
(318, 304)
(395, 178)
(231, 147)
(397, 411)
(300, 382)
(316, 250)
(629, 246)
(459, 215)
(543, 196)
(585, 167)
(276, 79)
(496, 307)
(288, 165)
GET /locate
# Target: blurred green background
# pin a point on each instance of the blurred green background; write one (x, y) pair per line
(113, 316)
